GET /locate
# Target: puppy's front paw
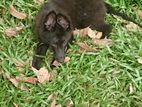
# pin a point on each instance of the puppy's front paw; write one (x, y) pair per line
(36, 64)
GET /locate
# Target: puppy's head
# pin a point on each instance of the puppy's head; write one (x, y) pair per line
(58, 34)
(59, 46)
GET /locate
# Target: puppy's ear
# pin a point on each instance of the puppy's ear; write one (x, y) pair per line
(50, 21)
(63, 21)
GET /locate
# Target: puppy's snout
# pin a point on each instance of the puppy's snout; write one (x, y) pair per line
(60, 59)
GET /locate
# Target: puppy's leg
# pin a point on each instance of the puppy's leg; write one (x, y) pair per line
(39, 54)
(100, 25)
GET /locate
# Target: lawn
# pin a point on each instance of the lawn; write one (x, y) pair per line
(110, 77)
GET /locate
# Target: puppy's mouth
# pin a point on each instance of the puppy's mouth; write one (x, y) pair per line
(61, 60)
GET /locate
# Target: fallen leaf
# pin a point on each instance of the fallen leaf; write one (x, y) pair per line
(69, 50)
(51, 97)
(15, 13)
(30, 80)
(131, 89)
(69, 103)
(56, 63)
(76, 32)
(19, 27)
(42, 75)
(88, 32)
(84, 32)
(19, 63)
(15, 105)
(140, 14)
(40, 2)
(140, 60)
(94, 34)
(15, 82)
(132, 26)
(87, 48)
(53, 103)
(102, 42)
(11, 32)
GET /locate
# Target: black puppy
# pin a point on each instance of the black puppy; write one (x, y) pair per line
(58, 18)
(53, 30)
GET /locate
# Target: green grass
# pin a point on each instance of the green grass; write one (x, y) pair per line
(102, 79)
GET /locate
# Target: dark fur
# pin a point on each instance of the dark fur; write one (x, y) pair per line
(58, 18)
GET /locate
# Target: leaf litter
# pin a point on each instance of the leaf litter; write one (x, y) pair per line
(95, 36)
(17, 14)
(56, 63)
(43, 75)
(52, 99)
(85, 47)
(69, 103)
(16, 83)
(12, 31)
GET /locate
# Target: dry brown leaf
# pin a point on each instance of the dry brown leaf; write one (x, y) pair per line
(102, 42)
(53, 103)
(15, 82)
(42, 75)
(132, 27)
(140, 60)
(94, 34)
(87, 48)
(84, 32)
(19, 27)
(88, 32)
(69, 103)
(98, 35)
(40, 2)
(131, 89)
(11, 32)
(140, 14)
(19, 63)
(56, 63)
(15, 105)
(15, 13)
(51, 97)
(30, 80)
(76, 32)
(69, 50)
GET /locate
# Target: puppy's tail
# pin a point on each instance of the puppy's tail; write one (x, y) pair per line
(111, 10)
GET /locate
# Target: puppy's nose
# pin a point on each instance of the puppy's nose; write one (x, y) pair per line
(61, 59)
